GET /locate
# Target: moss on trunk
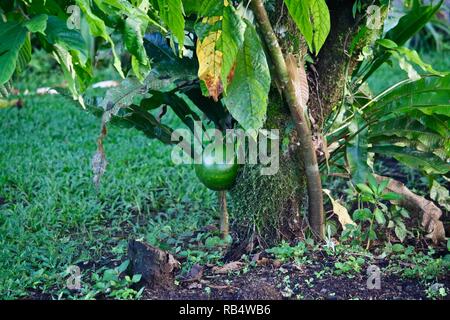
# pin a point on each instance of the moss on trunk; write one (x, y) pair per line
(268, 208)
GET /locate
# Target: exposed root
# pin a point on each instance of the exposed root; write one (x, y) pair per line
(420, 206)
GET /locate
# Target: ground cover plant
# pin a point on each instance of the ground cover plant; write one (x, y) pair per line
(93, 91)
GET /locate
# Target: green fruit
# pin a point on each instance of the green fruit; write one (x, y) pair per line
(215, 175)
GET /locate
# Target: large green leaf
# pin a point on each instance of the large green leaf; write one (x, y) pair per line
(312, 17)
(157, 48)
(425, 161)
(412, 22)
(357, 150)
(37, 23)
(248, 92)
(403, 127)
(12, 38)
(429, 94)
(415, 134)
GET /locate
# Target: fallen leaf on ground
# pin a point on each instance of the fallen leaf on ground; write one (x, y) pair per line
(340, 211)
(194, 274)
(232, 266)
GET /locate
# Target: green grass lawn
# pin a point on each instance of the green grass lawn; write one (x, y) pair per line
(52, 216)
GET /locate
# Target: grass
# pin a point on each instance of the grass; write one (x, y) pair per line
(52, 216)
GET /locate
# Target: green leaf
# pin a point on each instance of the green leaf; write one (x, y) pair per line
(429, 94)
(12, 38)
(362, 215)
(389, 44)
(312, 17)
(400, 232)
(24, 56)
(364, 188)
(69, 39)
(383, 184)
(133, 33)
(123, 266)
(391, 196)
(397, 248)
(172, 13)
(428, 162)
(357, 150)
(97, 28)
(136, 278)
(415, 133)
(379, 216)
(65, 60)
(408, 25)
(37, 23)
(373, 184)
(372, 234)
(413, 57)
(248, 92)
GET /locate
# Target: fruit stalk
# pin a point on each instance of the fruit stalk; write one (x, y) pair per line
(224, 223)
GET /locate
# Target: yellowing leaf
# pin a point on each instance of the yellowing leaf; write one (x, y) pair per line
(340, 211)
(210, 61)
(220, 36)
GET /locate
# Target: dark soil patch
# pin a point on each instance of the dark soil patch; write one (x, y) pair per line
(292, 282)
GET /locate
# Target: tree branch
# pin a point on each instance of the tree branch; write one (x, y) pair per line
(307, 151)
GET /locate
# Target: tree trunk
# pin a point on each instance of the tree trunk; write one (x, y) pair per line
(267, 209)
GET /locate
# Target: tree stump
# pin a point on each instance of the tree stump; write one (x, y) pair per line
(155, 265)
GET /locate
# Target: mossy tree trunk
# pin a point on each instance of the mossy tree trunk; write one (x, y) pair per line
(267, 209)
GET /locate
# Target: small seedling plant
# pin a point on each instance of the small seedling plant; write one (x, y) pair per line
(373, 214)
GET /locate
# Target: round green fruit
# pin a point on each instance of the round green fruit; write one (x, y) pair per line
(216, 176)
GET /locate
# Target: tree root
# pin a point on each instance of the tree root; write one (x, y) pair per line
(420, 206)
